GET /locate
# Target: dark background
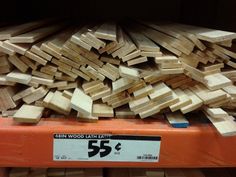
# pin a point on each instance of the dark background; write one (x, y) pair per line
(219, 14)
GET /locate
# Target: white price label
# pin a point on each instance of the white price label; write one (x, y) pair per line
(104, 147)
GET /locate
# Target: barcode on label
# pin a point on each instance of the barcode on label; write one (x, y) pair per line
(147, 157)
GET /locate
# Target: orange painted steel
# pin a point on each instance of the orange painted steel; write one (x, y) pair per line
(197, 146)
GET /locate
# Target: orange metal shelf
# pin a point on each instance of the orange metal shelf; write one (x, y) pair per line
(197, 146)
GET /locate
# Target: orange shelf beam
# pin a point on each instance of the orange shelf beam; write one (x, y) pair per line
(197, 146)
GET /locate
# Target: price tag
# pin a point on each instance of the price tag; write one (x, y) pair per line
(105, 147)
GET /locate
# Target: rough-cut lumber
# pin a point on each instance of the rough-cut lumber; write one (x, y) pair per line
(28, 114)
(81, 102)
(102, 110)
(106, 31)
(16, 76)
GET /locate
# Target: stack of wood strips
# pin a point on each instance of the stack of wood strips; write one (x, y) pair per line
(118, 70)
(113, 172)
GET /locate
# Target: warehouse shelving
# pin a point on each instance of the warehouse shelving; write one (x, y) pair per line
(197, 146)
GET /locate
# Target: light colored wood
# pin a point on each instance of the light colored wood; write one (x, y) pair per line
(130, 73)
(110, 60)
(137, 61)
(230, 90)
(86, 118)
(184, 100)
(28, 114)
(18, 48)
(102, 110)
(8, 32)
(36, 34)
(217, 81)
(68, 94)
(151, 54)
(208, 96)
(23, 93)
(3, 81)
(71, 85)
(143, 43)
(81, 102)
(196, 102)
(216, 112)
(42, 81)
(102, 92)
(18, 63)
(161, 90)
(121, 85)
(132, 55)
(35, 95)
(224, 125)
(29, 62)
(59, 103)
(16, 76)
(41, 74)
(36, 58)
(36, 50)
(106, 31)
(6, 50)
(44, 47)
(143, 92)
(57, 84)
(138, 103)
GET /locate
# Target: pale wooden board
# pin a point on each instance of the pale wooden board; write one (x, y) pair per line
(216, 112)
(36, 50)
(137, 61)
(33, 65)
(121, 85)
(16, 61)
(208, 96)
(147, 90)
(184, 100)
(23, 93)
(81, 102)
(230, 90)
(110, 60)
(28, 114)
(35, 95)
(224, 125)
(102, 110)
(18, 48)
(196, 102)
(42, 81)
(138, 103)
(3, 81)
(130, 73)
(160, 90)
(59, 103)
(36, 34)
(16, 76)
(106, 31)
(132, 55)
(36, 58)
(100, 93)
(6, 50)
(217, 81)
(143, 43)
(10, 31)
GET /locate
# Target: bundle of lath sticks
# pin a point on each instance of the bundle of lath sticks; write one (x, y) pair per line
(99, 172)
(118, 70)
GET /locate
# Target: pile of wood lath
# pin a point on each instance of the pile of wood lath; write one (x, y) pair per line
(112, 172)
(115, 70)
